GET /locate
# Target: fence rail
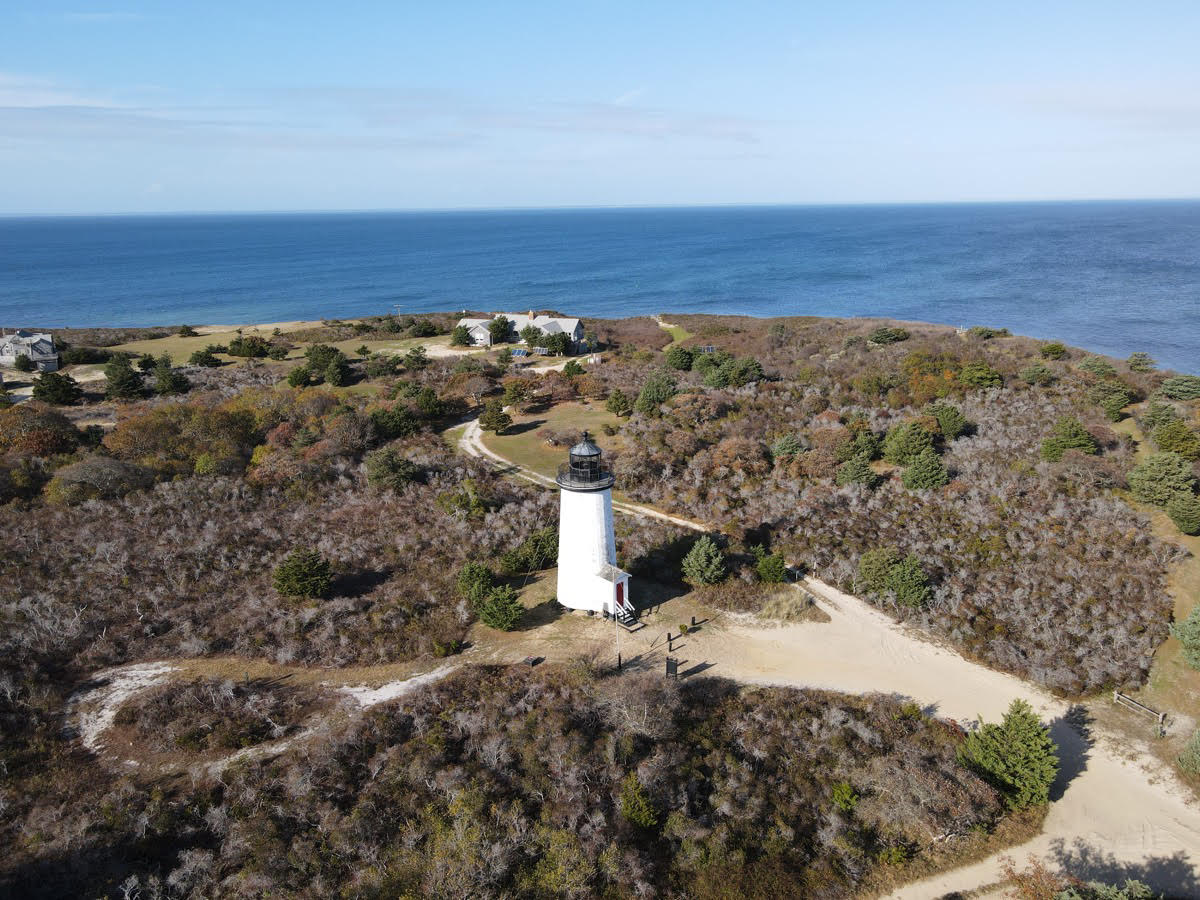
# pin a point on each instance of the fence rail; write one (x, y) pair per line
(1129, 703)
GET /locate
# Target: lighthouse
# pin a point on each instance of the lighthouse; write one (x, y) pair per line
(588, 577)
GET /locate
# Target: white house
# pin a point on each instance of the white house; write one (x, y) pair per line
(481, 337)
(38, 346)
(588, 577)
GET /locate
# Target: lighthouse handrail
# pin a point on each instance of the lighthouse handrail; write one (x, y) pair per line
(596, 474)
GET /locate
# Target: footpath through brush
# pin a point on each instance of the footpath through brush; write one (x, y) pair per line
(1116, 811)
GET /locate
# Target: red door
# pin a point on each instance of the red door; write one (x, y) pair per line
(620, 594)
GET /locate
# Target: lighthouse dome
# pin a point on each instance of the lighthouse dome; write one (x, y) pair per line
(585, 447)
(584, 470)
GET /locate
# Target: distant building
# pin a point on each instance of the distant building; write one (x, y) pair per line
(482, 337)
(38, 346)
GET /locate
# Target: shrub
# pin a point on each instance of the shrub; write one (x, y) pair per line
(23, 364)
(679, 358)
(1187, 633)
(857, 470)
(396, 422)
(460, 336)
(1184, 510)
(536, 552)
(416, 359)
(1141, 362)
(906, 442)
(299, 377)
(636, 807)
(1181, 387)
(1097, 366)
(786, 446)
(844, 796)
(887, 335)
(985, 333)
(772, 569)
(1037, 373)
(1016, 756)
(501, 609)
(423, 328)
(1161, 477)
(167, 381)
(950, 419)
(187, 331)
(97, 478)
(205, 358)
(381, 365)
(76, 356)
(122, 383)
(494, 418)
(1176, 437)
(980, 375)
(704, 563)
(251, 346)
(1053, 350)
(883, 569)
(57, 389)
(1068, 434)
(656, 390)
(925, 472)
(618, 403)
(572, 368)
(1111, 395)
(277, 352)
(389, 470)
(303, 573)
(475, 581)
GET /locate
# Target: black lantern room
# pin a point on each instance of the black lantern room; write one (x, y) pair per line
(585, 469)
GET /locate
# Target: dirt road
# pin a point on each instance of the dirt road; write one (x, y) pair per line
(1116, 811)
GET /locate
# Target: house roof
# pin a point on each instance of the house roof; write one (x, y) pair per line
(609, 572)
(548, 324)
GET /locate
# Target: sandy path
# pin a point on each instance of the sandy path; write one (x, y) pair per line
(1116, 810)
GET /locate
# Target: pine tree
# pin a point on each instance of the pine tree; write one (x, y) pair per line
(925, 472)
(1161, 477)
(657, 390)
(857, 470)
(1176, 437)
(122, 382)
(679, 358)
(635, 805)
(1184, 510)
(904, 443)
(1187, 633)
(501, 609)
(1068, 434)
(303, 573)
(907, 580)
(949, 417)
(704, 563)
(618, 403)
(57, 388)
(475, 581)
(1016, 756)
(494, 418)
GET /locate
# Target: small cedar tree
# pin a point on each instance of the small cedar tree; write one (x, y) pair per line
(1053, 350)
(1187, 632)
(656, 390)
(460, 336)
(636, 807)
(772, 569)
(501, 609)
(1068, 434)
(980, 375)
(925, 472)
(494, 418)
(1141, 362)
(704, 563)
(949, 418)
(1016, 755)
(389, 470)
(618, 403)
(1176, 437)
(1161, 477)
(475, 581)
(906, 442)
(122, 383)
(679, 358)
(857, 470)
(57, 388)
(303, 573)
(1184, 510)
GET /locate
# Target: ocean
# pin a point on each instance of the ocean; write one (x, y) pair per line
(1113, 277)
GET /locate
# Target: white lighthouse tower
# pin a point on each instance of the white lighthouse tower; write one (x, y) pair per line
(588, 577)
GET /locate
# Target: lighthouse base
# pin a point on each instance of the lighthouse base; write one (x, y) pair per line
(588, 577)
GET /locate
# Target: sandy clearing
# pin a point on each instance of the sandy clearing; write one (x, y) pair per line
(1115, 807)
(94, 706)
(368, 696)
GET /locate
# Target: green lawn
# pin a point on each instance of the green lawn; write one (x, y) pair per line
(523, 446)
(678, 334)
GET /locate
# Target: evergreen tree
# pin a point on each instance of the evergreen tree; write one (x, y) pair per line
(1037, 373)
(1141, 362)
(636, 807)
(122, 383)
(460, 336)
(24, 364)
(1095, 365)
(1189, 759)
(1187, 633)
(1053, 350)
(704, 563)
(167, 380)
(656, 390)
(907, 580)
(475, 581)
(1181, 387)
(146, 362)
(949, 418)
(303, 573)
(416, 359)
(499, 328)
(494, 418)
(874, 567)
(980, 375)
(1161, 477)
(1176, 437)
(57, 389)
(573, 368)
(388, 469)
(1112, 395)
(857, 470)
(786, 446)
(301, 376)
(1157, 414)
(864, 443)
(1016, 756)
(679, 358)
(501, 609)
(1184, 510)
(906, 442)
(925, 472)
(1068, 434)
(618, 403)
(771, 568)
(205, 358)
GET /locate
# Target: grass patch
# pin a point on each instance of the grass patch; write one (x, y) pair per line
(180, 348)
(678, 333)
(523, 446)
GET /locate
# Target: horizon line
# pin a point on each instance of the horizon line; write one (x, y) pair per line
(415, 210)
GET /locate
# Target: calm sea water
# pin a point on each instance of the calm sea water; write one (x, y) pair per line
(1112, 277)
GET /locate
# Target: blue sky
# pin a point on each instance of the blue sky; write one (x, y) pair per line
(170, 106)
